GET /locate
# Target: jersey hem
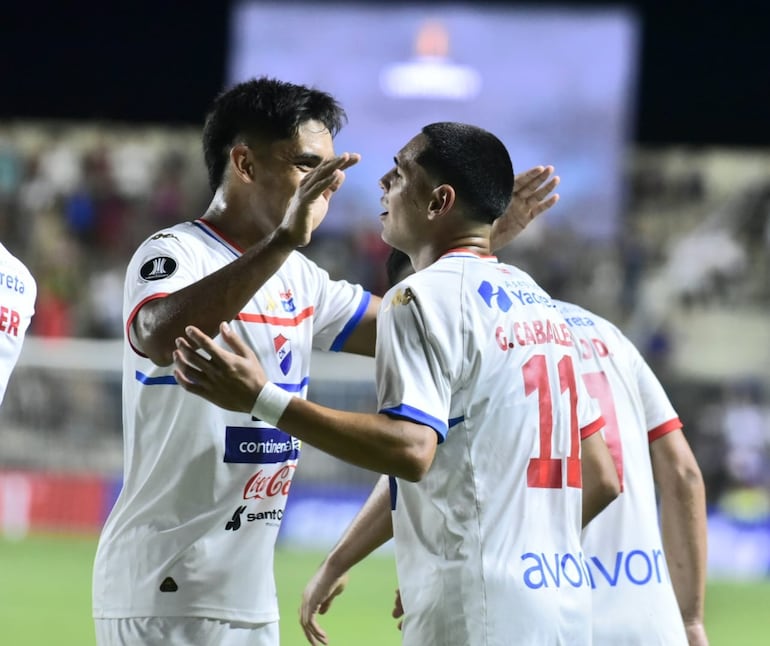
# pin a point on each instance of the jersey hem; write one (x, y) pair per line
(205, 613)
(593, 427)
(664, 429)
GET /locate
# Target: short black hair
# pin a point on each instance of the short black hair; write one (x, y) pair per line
(474, 162)
(395, 266)
(263, 108)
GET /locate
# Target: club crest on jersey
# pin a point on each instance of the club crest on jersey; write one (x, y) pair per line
(157, 268)
(287, 301)
(283, 352)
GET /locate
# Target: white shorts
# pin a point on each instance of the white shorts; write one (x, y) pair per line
(183, 631)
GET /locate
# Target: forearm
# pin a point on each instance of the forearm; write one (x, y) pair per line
(371, 528)
(600, 478)
(217, 297)
(371, 441)
(683, 525)
(682, 496)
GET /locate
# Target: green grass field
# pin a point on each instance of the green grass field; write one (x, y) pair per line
(45, 599)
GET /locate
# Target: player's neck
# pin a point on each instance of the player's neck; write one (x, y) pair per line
(477, 244)
(238, 220)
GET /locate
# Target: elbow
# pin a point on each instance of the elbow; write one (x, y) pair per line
(151, 346)
(418, 458)
(160, 356)
(609, 488)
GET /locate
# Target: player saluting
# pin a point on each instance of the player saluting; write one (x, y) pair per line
(186, 555)
(483, 441)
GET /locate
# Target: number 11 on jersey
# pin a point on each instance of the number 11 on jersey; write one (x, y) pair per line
(545, 471)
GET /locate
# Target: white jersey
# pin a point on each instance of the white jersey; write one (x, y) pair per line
(633, 599)
(488, 543)
(17, 305)
(204, 489)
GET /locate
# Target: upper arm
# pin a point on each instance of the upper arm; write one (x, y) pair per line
(673, 461)
(362, 339)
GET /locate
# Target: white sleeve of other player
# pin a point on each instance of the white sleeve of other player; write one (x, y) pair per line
(339, 306)
(414, 378)
(589, 414)
(659, 413)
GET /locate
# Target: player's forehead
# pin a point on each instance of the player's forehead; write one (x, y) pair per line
(407, 156)
(311, 139)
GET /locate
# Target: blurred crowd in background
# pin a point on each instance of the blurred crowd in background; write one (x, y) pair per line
(688, 280)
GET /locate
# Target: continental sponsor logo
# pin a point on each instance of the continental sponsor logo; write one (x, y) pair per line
(249, 445)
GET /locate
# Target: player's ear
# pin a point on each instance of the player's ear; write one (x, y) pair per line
(441, 201)
(242, 162)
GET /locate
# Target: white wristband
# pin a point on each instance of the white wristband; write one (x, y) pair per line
(271, 403)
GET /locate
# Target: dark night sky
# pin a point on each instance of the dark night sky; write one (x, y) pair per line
(705, 75)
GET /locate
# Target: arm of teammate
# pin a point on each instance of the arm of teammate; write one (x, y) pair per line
(160, 321)
(600, 477)
(371, 528)
(532, 195)
(363, 338)
(682, 495)
(233, 380)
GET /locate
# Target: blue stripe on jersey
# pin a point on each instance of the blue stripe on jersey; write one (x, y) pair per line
(456, 420)
(248, 445)
(163, 380)
(170, 380)
(351, 324)
(214, 236)
(393, 486)
(294, 388)
(415, 415)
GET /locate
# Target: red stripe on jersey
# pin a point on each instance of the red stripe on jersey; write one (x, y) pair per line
(593, 427)
(661, 430)
(133, 314)
(289, 321)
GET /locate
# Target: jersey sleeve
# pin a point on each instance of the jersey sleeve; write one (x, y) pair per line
(339, 307)
(659, 413)
(164, 264)
(590, 418)
(413, 371)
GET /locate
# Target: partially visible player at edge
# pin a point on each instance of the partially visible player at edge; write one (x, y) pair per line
(633, 598)
(481, 432)
(186, 554)
(18, 291)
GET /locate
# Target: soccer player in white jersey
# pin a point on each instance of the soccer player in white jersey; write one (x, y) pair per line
(18, 291)
(186, 554)
(481, 413)
(631, 566)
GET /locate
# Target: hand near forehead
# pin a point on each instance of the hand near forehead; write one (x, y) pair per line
(532, 195)
(231, 380)
(310, 202)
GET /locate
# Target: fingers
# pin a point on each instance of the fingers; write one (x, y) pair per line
(547, 188)
(236, 343)
(313, 631)
(544, 205)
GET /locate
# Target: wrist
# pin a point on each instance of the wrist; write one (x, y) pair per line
(271, 403)
(282, 238)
